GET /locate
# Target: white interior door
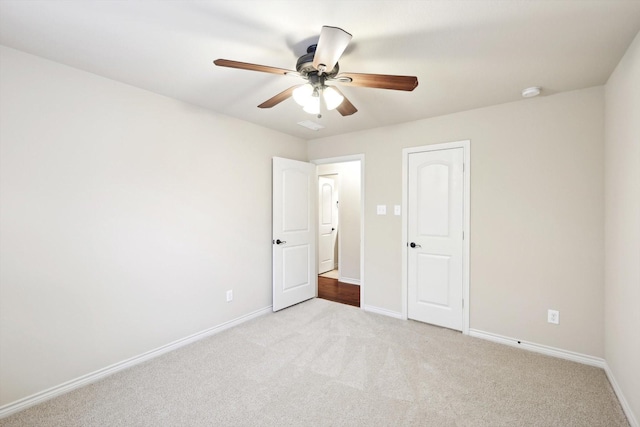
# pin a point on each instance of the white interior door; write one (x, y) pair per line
(435, 214)
(294, 247)
(327, 223)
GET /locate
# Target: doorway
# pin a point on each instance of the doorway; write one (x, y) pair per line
(340, 229)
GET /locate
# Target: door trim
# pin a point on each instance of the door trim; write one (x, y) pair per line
(466, 224)
(343, 159)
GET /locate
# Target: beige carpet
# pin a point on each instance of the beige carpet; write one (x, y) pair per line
(332, 274)
(326, 364)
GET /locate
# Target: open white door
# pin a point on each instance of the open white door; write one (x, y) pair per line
(294, 247)
(327, 223)
(435, 237)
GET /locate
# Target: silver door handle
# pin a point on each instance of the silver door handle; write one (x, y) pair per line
(413, 245)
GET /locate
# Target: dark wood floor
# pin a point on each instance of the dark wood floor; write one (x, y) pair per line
(333, 290)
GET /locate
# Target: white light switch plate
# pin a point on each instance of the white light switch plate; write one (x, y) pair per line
(381, 209)
(396, 210)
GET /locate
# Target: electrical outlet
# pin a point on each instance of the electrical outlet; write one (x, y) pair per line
(553, 316)
(229, 295)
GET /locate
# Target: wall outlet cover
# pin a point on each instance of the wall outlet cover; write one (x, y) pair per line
(381, 209)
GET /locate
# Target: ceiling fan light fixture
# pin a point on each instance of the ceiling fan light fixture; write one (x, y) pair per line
(313, 105)
(332, 98)
(303, 94)
(309, 98)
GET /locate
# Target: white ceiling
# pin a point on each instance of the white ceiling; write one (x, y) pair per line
(466, 54)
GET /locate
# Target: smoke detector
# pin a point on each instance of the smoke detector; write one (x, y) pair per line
(530, 92)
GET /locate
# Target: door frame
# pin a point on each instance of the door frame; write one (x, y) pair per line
(466, 224)
(344, 159)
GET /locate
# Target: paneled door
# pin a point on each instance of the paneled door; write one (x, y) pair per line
(294, 231)
(435, 213)
(327, 223)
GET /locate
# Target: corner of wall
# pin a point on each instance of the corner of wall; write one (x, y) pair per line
(622, 230)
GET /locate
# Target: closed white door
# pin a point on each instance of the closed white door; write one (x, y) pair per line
(327, 223)
(435, 214)
(294, 231)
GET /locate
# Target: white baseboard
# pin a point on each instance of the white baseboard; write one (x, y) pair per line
(66, 387)
(539, 348)
(349, 280)
(383, 311)
(633, 421)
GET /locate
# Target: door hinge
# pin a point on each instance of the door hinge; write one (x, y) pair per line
(463, 235)
(462, 302)
(463, 167)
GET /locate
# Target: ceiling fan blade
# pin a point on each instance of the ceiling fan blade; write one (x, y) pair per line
(379, 81)
(332, 43)
(251, 67)
(345, 108)
(273, 101)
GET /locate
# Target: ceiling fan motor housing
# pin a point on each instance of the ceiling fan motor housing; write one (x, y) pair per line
(305, 64)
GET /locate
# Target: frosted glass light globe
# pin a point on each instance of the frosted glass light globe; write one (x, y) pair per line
(332, 98)
(313, 105)
(302, 94)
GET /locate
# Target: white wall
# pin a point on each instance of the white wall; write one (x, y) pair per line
(350, 210)
(125, 216)
(536, 214)
(622, 225)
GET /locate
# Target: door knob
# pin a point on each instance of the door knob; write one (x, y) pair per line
(333, 229)
(280, 242)
(413, 245)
